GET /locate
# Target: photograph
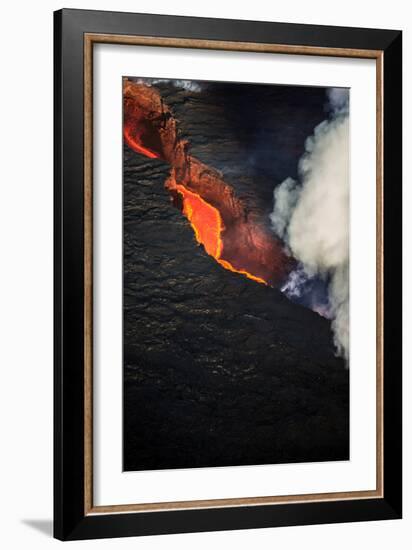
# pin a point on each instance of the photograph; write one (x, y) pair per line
(236, 264)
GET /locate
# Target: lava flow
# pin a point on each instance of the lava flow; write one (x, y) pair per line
(207, 226)
(134, 143)
(205, 220)
(220, 221)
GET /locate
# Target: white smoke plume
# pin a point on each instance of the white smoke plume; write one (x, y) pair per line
(285, 199)
(189, 85)
(312, 216)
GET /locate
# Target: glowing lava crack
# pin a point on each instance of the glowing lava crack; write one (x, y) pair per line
(221, 222)
(207, 225)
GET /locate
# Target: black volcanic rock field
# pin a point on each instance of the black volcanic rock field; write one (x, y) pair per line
(220, 370)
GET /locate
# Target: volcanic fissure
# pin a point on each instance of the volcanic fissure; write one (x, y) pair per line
(220, 221)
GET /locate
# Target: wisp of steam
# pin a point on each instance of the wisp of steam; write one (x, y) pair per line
(188, 85)
(311, 215)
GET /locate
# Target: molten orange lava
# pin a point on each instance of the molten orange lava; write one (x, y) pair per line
(134, 143)
(229, 266)
(205, 220)
(207, 224)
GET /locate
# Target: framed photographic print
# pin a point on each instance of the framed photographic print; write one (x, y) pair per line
(227, 274)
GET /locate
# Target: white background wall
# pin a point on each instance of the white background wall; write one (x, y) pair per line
(26, 274)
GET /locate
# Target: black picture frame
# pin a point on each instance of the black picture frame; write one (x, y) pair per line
(71, 522)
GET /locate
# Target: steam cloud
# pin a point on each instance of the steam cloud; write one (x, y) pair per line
(188, 85)
(312, 215)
